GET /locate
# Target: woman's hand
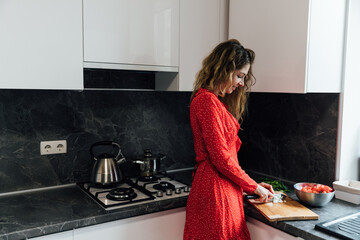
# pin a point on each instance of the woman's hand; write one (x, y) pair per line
(265, 191)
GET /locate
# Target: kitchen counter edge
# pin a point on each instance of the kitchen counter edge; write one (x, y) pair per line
(46, 212)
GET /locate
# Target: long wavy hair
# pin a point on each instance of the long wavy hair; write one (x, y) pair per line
(217, 72)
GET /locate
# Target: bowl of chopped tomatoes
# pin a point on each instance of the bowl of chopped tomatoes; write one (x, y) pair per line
(314, 194)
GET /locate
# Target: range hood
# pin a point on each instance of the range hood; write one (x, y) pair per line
(133, 80)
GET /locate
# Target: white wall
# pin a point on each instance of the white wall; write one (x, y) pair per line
(348, 156)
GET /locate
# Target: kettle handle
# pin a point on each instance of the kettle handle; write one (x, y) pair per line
(106, 143)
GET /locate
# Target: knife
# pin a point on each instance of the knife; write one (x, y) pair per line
(276, 195)
(253, 196)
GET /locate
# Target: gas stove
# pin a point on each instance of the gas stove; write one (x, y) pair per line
(132, 191)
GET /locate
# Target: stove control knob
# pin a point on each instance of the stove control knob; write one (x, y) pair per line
(159, 193)
(187, 189)
(169, 192)
(178, 190)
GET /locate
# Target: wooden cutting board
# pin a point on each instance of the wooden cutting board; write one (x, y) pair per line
(287, 210)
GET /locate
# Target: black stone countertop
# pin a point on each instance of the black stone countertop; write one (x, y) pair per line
(41, 212)
(306, 228)
(37, 213)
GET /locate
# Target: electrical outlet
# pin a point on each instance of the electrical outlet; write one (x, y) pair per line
(53, 147)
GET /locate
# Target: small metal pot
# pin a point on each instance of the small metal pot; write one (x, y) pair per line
(149, 166)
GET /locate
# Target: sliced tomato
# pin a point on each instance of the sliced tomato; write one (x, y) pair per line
(318, 188)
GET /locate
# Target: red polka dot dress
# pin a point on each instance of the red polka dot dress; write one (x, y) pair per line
(214, 208)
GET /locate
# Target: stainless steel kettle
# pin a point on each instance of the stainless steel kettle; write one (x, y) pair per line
(106, 170)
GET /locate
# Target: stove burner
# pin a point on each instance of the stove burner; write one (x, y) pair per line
(163, 186)
(121, 194)
(147, 179)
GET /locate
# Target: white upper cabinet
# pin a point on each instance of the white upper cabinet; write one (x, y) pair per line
(203, 24)
(131, 34)
(41, 44)
(299, 45)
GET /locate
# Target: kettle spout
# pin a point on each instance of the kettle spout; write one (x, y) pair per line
(121, 160)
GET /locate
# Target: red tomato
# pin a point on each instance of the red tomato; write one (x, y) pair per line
(317, 188)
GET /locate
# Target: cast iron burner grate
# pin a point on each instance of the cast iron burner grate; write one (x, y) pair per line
(163, 186)
(121, 194)
(346, 227)
(147, 179)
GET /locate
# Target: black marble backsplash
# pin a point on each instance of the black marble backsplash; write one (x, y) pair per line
(291, 136)
(135, 120)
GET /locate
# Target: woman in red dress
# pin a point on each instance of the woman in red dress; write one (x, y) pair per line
(214, 208)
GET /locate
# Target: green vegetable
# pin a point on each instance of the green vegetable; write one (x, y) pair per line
(276, 184)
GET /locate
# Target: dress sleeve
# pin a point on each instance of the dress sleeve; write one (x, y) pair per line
(209, 117)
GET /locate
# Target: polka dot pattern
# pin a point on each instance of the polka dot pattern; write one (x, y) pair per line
(214, 208)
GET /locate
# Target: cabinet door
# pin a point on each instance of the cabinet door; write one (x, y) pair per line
(41, 44)
(260, 231)
(326, 45)
(299, 45)
(57, 236)
(277, 31)
(157, 226)
(131, 34)
(201, 29)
